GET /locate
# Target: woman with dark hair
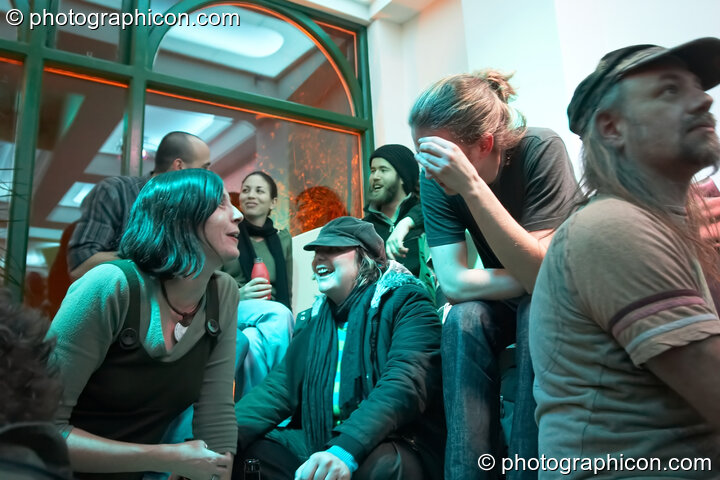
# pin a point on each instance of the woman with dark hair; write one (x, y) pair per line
(141, 339)
(260, 238)
(361, 378)
(267, 325)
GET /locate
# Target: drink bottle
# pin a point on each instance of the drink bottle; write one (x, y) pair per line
(259, 270)
(252, 469)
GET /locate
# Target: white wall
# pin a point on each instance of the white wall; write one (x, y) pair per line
(406, 58)
(520, 36)
(551, 45)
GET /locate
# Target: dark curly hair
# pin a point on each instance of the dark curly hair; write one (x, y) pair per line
(29, 389)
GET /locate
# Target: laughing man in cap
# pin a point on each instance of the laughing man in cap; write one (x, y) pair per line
(624, 336)
(361, 378)
(394, 207)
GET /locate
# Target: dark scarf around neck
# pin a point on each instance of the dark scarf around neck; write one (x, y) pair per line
(317, 388)
(247, 256)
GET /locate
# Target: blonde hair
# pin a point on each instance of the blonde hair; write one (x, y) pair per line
(469, 106)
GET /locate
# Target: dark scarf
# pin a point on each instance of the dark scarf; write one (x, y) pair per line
(247, 256)
(317, 388)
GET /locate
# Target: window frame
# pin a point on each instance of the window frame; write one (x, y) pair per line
(137, 46)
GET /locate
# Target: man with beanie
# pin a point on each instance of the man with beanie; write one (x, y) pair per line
(361, 378)
(624, 334)
(394, 207)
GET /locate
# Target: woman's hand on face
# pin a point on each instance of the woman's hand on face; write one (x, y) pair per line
(256, 289)
(193, 460)
(446, 163)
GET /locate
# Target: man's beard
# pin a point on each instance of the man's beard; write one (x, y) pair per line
(385, 195)
(706, 153)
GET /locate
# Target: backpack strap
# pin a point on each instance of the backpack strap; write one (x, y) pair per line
(212, 311)
(129, 337)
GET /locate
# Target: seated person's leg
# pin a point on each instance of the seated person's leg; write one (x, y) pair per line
(242, 347)
(472, 337)
(268, 327)
(524, 439)
(396, 460)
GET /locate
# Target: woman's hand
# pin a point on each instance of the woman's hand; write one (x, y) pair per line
(394, 246)
(447, 164)
(193, 460)
(256, 289)
(323, 466)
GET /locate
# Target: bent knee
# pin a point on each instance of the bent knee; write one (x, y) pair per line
(468, 316)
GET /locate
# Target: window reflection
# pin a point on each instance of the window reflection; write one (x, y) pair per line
(90, 39)
(7, 31)
(345, 40)
(10, 75)
(79, 143)
(265, 55)
(297, 155)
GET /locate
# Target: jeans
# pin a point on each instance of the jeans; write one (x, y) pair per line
(268, 327)
(473, 335)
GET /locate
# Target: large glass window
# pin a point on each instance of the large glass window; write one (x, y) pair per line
(80, 30)
(249, 78)
(10, 74)
(346, 41)
(298, 155)
(8, 31)
(79, 143)
(253, 51)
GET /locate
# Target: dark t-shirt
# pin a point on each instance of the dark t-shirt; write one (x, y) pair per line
(537, 187)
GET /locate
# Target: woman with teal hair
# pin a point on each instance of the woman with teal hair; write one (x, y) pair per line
(141, 339)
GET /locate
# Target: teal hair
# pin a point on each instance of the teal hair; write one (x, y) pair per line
(166, 221)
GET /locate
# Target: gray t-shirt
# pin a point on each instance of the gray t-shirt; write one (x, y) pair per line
(617, 288)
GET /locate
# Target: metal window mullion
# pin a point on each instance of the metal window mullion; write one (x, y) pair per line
(368, 137)
(135, 115)
(26, 135)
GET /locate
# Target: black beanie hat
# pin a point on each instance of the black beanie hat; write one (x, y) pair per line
(403, 161)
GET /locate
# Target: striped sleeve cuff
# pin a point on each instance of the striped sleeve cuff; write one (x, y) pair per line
(659, 322)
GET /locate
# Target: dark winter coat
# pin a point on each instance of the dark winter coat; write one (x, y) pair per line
(402, 391)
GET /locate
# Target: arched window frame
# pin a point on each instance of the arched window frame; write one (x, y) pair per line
(136, 52)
